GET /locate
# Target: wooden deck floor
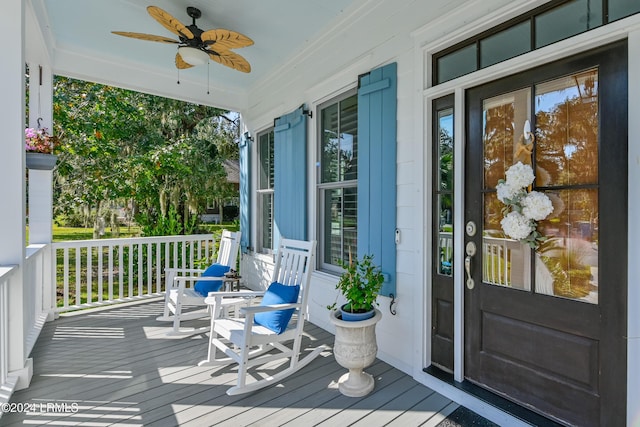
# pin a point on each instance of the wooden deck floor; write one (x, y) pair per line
(117, 367)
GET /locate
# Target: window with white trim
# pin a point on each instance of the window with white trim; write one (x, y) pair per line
(265, 191)
(338, 180)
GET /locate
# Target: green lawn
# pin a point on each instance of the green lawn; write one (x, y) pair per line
(61, 234)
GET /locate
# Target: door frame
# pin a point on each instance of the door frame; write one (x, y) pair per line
(425, 47)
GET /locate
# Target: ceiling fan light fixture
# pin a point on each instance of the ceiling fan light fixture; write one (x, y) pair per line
(195, 46)
(193, 56)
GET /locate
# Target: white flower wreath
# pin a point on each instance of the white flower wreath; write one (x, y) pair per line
(522, 208)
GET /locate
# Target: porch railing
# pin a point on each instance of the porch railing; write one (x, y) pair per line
(6, 274)
(505, 262)
(35, 309)
(92, 273)
(37, 301)
(445, 244)
(81, 274)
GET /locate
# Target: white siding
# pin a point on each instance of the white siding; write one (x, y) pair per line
(403, 31)
(352, 49)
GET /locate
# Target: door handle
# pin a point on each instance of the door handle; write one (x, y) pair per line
(467, 267)
(470, 249)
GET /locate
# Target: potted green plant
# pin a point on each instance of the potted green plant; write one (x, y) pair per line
(360, 284)
(355, 345)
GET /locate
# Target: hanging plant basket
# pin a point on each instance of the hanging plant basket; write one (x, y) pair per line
(41, 161)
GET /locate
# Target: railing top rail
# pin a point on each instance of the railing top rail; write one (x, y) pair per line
(130, 240)
(34, 249)
(497, 239)
(6, 271)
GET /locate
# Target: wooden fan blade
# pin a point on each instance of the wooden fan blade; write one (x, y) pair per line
(221, 39)
(149, 37)
(169, 22)
(230, 59)
(180, 64)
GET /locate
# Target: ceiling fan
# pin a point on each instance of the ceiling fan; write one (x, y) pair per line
(196, 46)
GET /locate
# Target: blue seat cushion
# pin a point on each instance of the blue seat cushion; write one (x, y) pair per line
(278, 320)
(215, 270)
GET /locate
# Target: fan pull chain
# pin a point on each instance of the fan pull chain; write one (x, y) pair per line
(178, 76)
(208, 73)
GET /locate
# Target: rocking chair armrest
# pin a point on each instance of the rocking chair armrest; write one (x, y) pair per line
(265, 308)
(182, 282)
(197, 278)
(237, 294)
(213, 296)
(183, 270)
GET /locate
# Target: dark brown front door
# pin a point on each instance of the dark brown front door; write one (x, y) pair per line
(545, 328)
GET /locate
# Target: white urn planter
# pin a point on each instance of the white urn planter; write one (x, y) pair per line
(355, 349)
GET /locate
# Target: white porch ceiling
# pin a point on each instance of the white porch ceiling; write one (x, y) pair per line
(79, 43)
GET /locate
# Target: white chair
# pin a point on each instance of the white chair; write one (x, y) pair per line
(265, 327)
(182, 301)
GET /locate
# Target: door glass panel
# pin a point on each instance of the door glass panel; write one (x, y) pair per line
(567, 168)
(504, 118)
(445, 149)
(567, 130)
(506, 262)
(569, 258)
(445, 237)
(445, 191)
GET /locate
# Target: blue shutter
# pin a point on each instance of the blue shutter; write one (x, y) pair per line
(245, 192)
(290, 177)
(377, 107)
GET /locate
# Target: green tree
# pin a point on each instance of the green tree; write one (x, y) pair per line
(124, 148)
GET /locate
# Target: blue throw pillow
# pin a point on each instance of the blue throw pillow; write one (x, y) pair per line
(204, 287)
(277, 293)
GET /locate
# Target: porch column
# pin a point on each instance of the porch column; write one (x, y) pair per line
(12, 190)
(40, 181)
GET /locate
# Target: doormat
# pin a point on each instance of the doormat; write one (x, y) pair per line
(463, 417)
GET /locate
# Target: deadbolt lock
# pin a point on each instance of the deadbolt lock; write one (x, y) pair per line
(471, 228)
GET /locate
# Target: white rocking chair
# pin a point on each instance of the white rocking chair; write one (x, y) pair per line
(180, 294)
(245, 340)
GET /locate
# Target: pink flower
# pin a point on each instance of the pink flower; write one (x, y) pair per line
(39, 141)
